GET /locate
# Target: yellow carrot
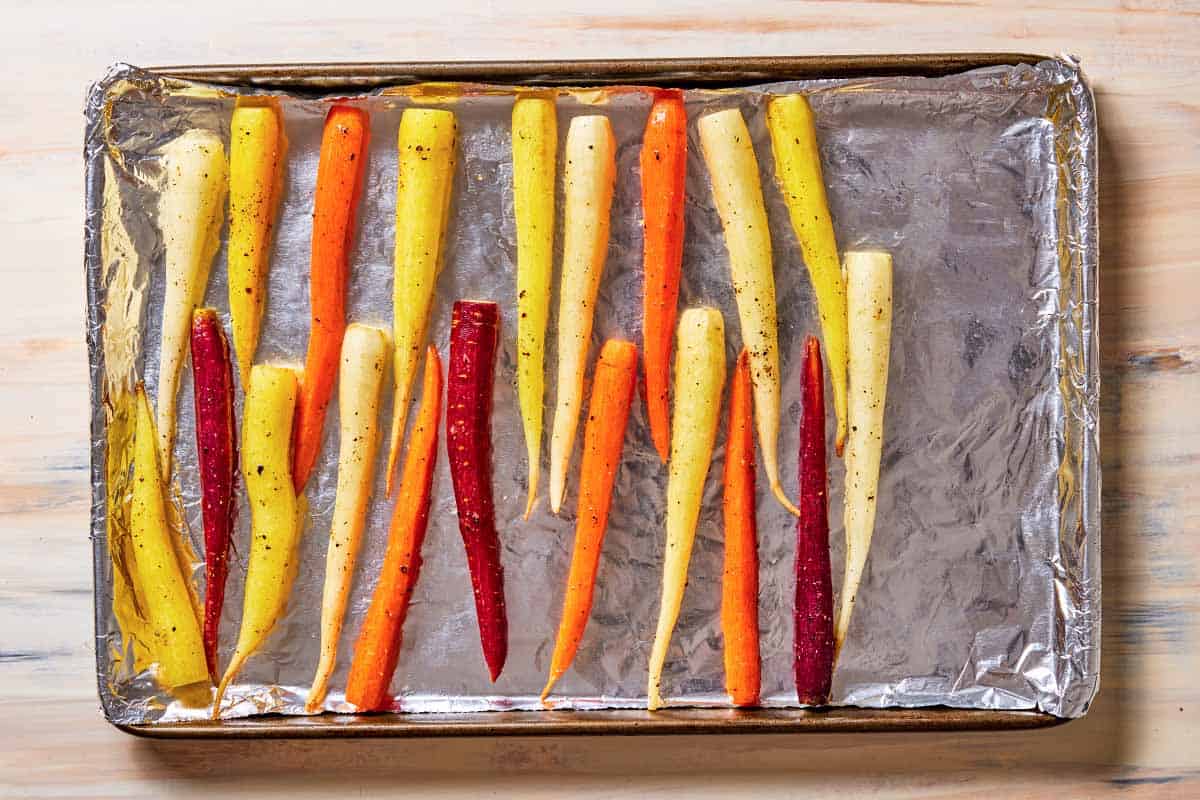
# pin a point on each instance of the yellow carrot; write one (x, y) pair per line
(534, 146)
(588, 187)
(729, 154)
(798, 169)
(275, 511)
(699, 379)
(178, 646)
(190, 213)
(257, 152)
(365, 352)
(427, 142)
(869, 311)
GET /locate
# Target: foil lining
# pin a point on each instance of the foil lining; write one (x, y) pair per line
(982, 589)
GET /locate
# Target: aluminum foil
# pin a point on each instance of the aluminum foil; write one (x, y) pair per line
(982, 588)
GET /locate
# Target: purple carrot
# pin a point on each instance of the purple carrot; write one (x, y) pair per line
(812, 649)
(474, 333)
(216, 455)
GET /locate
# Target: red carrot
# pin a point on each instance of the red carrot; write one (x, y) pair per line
(603, 437)
(739, 587)
(664, 172)
(339, 184)
(379, 641)
(216, 454)
(813, 645)
(474, 333)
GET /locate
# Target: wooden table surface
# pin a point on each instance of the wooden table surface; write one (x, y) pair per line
(1143, 57)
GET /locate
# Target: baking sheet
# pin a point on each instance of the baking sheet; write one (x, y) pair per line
(982, 590)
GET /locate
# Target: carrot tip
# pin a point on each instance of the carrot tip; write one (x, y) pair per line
(777, 490)
(529, 504)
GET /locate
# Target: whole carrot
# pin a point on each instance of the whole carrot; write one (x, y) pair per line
(603, 436)
(798, 170)
(474, 333)
(869, 311)
(812, 648)
(378, 647)
(534, 151)
(161, 580)
(191, 209)
(276, 513)
(216, 454)
(737, 191)
(739, 586)
(699, 379)
(339, 183)
(365, 353)
(588, 182)
(257, 153)
(664, 174)
(427, 143)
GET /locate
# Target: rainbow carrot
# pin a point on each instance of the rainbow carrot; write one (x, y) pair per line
(603, 437)
(257, 152)
(191, 210)
(378, 647)
(365, 354)
(739, 587)
(699, 379)
(474, 334)
(216, 456)
(339, 184)
(798, 170)
(737, 191)
(276, 514)
(534, 149)
(664, 174)
(812, 648)
(427, 144)
(591, 156)
(869, 311)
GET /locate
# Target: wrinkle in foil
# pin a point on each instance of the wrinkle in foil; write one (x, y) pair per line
(982, 587)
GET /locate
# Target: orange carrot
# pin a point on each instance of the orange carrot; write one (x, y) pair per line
(612, 395)
(339, 183)
(664, 173)
(739, 587)
(378, 647)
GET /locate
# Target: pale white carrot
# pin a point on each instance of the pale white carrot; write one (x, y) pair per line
(737, 189)
(588, 177)
(191, 210)
(869, 312)
(365, 352)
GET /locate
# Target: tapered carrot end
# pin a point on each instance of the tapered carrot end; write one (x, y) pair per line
(494, 671)
(231, 672)
(534, 478)
(839, 444)
(554, 676)
(777, 490)
(662, 440)
(390, 473)
(316, 696)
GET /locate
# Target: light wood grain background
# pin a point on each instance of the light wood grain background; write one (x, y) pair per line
(1143, 57)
